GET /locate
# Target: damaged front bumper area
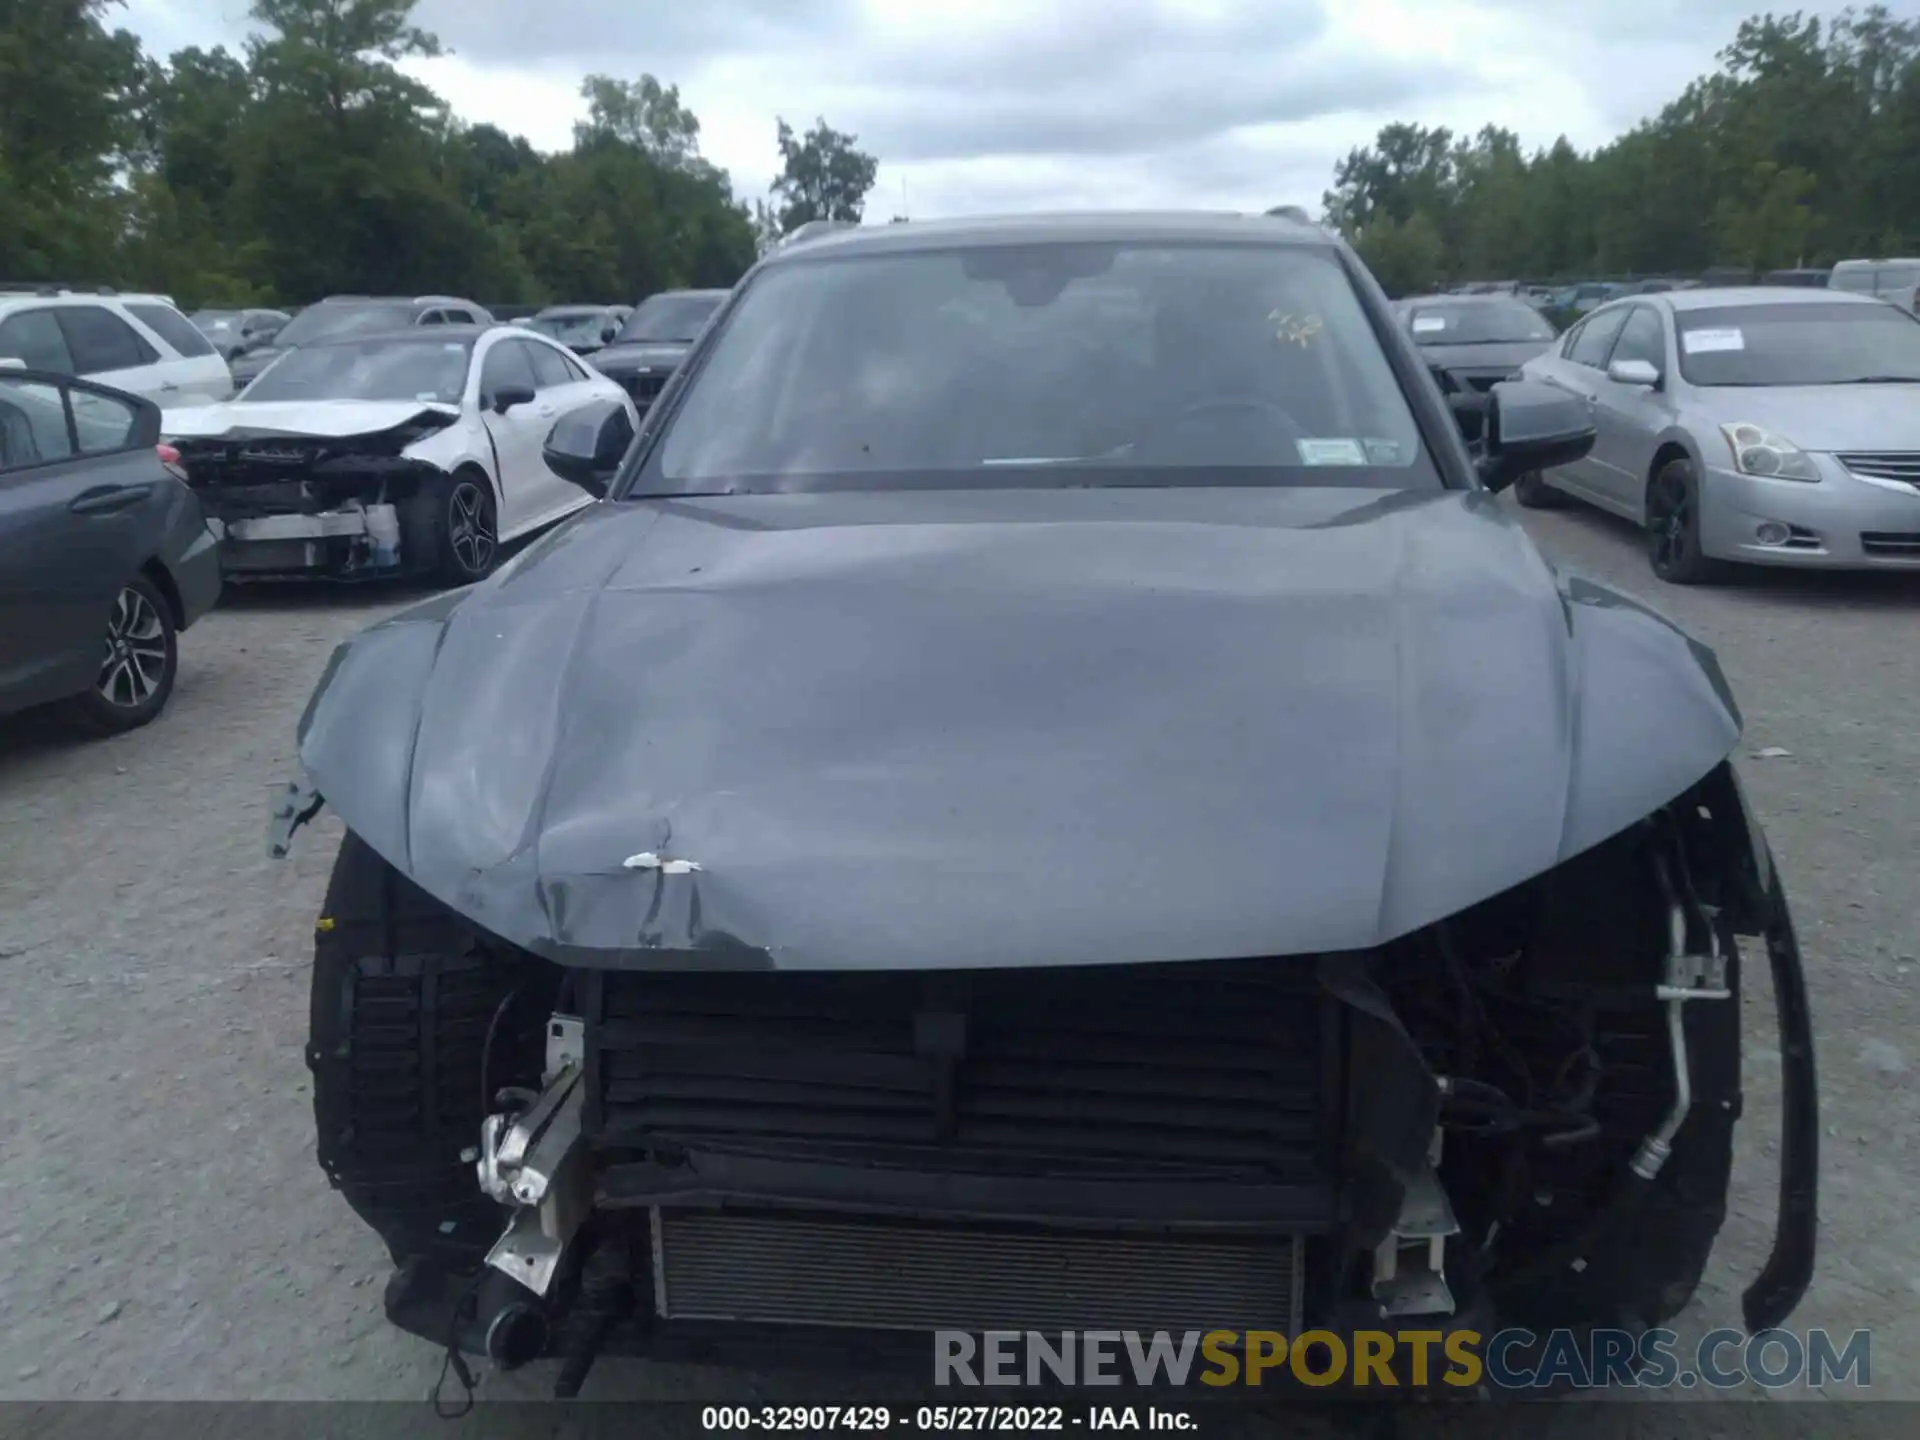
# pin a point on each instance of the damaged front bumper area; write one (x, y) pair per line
(292, 505)
(1520, 1115)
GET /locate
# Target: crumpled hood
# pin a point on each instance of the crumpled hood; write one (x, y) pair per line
(324, 419)
(628, 358)
(1007, 727)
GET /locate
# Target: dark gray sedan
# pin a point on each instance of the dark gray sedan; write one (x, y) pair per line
(104, 554)
(1472, 342)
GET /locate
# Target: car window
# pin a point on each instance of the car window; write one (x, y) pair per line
(1642, 338)
(171, 326)
(343, 319)
(425, 368)
(1858, 279)
(1482, 320)
(101, 423)
(1895, 278)
(670, 318)
(33, 423)
(550, 367)
(462, 317)
(507, 363)
(1055, 363)
(1830, 342)
(101, 341)
(432, 317)
(1596, 339)
(35, 339)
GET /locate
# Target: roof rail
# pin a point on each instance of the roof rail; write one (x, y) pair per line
(814, 229)
(53, 287)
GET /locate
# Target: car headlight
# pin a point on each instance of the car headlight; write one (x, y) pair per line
(1761, 452)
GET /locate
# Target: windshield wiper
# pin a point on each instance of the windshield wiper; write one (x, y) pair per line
(1879, 380)
(1523, 340)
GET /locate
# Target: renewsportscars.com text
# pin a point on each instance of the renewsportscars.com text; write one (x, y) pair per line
(1508, 1359)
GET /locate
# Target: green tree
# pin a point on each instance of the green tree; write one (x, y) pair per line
(823, 176)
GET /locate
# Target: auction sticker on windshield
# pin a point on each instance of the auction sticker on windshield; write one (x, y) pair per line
(1425, 324)
(1331, 452)
(1706, 342)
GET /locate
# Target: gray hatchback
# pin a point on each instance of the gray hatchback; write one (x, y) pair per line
(1767, 426)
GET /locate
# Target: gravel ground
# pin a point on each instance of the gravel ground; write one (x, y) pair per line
(169, 1235)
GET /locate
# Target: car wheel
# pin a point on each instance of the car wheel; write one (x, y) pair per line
(1533, 492)
(140, 657)
(462, 533)
(1673, 526)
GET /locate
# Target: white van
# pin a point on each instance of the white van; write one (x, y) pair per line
(1897, 281)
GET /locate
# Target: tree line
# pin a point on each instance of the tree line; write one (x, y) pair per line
(310, 164)
(1802, 147)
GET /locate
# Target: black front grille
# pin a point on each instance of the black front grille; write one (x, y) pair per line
(1891, 542)
(1902, 465)
(644, 388)
(1135, 1070)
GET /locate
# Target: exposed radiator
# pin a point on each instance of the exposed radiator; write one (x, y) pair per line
(774, 1268)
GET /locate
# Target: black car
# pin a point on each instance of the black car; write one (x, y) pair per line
(1049, 794)
(655, 339)
(1472, 342)
(105, 556)
(342, 315)
(583, 329)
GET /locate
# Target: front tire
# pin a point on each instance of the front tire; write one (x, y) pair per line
(404, 996)
(1533, 493)
(138, 665)
(454, 528)
(1674, 550)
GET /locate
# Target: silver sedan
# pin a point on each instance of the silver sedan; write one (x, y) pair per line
(1765, 426)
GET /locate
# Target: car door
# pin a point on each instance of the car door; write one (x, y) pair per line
(77, 473)
(527, 491)
(563, 384)
(1627, 419)
(1577, 369)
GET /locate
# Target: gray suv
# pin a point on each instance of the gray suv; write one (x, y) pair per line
(339, 315)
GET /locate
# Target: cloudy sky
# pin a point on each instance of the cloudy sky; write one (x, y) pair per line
(978, 106)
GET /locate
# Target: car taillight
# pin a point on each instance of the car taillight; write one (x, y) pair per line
(170, 459)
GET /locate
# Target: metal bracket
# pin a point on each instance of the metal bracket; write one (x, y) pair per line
(1409, 1266)
(297, 803)
(537, 1161)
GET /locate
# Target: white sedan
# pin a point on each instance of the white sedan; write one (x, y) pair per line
(417, 451)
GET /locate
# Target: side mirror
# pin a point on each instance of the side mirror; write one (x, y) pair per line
(1531, 427)
(607, 332)
(587, 444)
(508, 396)
(1643, 373)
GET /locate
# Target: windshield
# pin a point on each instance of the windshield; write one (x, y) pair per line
(669, 319)
(211, 322)
(583, 329)
(1063, 364)
(323, 320)
(1478, 322)
(1824, 343)
(429, 369)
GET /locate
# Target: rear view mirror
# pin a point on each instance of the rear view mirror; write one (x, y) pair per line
(587, 444)
(1531, 427)
(1642, 373)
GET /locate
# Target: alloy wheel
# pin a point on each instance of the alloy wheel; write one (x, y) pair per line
(1670, 523)
(135, 665)
(470, 530)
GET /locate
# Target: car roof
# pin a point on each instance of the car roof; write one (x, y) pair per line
(413, 332)
(1116, 226)
(1456, 299)
(703, 294)
(572, 310)
(1714, 299)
